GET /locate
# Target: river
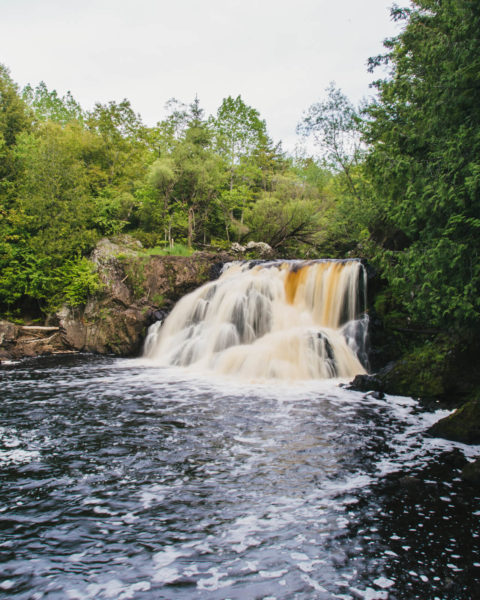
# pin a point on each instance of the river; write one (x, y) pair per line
(125, 480)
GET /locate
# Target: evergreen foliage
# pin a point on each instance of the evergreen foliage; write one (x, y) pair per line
(424, 132)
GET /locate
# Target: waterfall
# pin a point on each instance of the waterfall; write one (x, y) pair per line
(278, 319)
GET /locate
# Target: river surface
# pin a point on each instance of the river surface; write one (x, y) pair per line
(123, 480)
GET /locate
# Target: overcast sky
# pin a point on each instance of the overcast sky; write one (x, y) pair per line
(279, 55)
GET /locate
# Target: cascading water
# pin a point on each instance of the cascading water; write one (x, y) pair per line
(280, 319)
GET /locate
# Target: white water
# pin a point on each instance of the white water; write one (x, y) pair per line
(276, 320)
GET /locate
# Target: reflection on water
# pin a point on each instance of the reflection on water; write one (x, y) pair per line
(121, 480)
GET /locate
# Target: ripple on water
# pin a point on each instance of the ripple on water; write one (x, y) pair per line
(120, 480)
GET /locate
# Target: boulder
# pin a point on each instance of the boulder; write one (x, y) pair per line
(463, 425)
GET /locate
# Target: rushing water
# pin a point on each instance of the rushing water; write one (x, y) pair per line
(270, 320)
(124, 480)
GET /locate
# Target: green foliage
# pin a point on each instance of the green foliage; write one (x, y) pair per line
(48, 106)
(78, 281)
(349, 209)
(158, 300)
(288, 218)
(334, 126)
(425, 135)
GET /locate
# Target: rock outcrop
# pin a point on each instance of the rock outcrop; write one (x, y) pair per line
(17, 341)
(137, 289)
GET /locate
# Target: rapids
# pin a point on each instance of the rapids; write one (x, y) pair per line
(273, 320)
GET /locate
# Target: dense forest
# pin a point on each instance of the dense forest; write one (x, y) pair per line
(397, 181)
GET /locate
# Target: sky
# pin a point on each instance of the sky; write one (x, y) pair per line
(279, 55)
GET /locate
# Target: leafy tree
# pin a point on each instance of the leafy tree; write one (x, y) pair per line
(52, 218)
(240, 136)
(239, 132)
(47, 105)
(15, 117)
(125, 143)
(289, 218)
(334, 126)
(425, 135)
(157, 208)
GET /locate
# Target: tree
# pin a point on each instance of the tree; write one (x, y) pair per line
(15, 117)
(424, 130)
(126, 142)
(49, 106)
(240, 134)
(157, 210)
(334, 126)
(289, 218)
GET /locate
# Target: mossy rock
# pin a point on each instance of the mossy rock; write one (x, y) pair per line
(463, 425)
(420, 373)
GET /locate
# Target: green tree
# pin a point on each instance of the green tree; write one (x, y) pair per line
(52, 218)
(15, 117)
(239, 132)
(240, 137)
(126, 151)
(424, 130)
(334, 126)
(48, 106)
(289, 218)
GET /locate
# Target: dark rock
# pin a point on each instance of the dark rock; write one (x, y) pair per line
(366, 383)
(376, 395)
(453, 458)
(463, 425)
(153, 316)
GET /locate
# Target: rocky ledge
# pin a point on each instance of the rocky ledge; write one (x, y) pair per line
(442, 372)
(137, 289)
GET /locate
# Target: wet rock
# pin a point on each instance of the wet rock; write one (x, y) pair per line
(153, 316)
(463, 425)
(366, 383)
(375, 395)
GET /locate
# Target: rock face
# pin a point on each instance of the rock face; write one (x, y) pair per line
(253, 250)
(136, 289)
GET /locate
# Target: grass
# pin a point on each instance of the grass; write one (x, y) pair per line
(175, 250)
